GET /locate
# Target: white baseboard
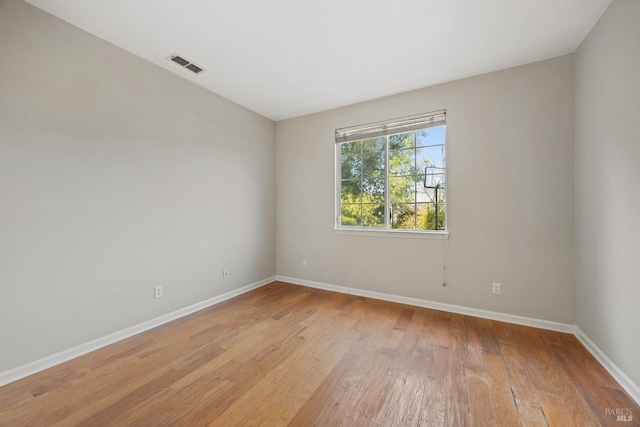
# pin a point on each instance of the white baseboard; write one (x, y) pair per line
(485, 314)
(630, 387)
(66, 355)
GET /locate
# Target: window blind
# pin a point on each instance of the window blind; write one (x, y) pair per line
(391, 127)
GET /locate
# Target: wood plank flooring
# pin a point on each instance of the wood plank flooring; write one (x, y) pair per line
(290, 355)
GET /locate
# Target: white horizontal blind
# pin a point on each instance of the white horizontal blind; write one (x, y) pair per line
(391, 127)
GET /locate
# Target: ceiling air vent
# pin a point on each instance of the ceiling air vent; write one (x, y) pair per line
(185, 63)
(194, 68)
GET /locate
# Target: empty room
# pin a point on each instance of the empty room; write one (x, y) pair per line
(338, 213)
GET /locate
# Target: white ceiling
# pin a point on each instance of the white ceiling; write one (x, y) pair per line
(286, 58)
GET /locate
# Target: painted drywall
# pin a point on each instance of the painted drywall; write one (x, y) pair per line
(510, 193)
(607, 159)
(117, 176)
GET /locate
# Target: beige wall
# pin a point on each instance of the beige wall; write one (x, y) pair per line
(608, 185)
(117, 176)
(510, 192)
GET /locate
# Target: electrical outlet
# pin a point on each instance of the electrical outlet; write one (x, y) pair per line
(157, 292)
(304, 263)
(225, 273)
(496, 288)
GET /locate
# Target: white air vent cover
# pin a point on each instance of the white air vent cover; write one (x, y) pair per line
(186, 63)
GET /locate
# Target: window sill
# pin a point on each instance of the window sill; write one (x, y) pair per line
(438, 235)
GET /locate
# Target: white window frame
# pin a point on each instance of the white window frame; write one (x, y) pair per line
(387, 128)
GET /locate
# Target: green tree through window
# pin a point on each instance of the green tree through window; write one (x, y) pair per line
(393, 181)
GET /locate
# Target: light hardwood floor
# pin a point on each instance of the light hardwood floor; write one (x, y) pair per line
(290, 355)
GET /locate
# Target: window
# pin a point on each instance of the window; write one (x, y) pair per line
(391, 175)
